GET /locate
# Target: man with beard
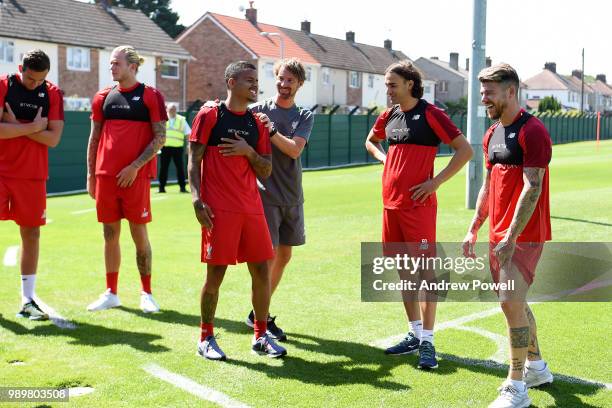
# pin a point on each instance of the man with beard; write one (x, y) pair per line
(514, 196)
(281, 193)
(414, 129)
(229, 149)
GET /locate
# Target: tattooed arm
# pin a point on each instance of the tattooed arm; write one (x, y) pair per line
(203, 212)
(126, 177)
(532, 188)
(92, 152)
(482, 212)
(262, 164)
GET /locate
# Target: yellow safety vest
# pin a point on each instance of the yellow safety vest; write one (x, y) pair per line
(175, 135)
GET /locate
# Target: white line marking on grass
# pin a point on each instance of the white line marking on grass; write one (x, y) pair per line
(193, 387)
(56, 318)
(159, 198)
(83, 211)
(10, 256)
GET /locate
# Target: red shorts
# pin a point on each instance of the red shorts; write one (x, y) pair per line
(114, 203)
(416, 226)
(23, 201)
(526, 256)
(236, 238)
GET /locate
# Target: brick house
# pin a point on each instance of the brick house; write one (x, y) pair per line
(451, 79)
(339, 71)
(79, 38)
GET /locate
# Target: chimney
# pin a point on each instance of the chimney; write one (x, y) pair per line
(251, 13)
(551, 66)
(388, 45)
(434, 58)
(577, 73)
(350, 36)
(488, 62)
(467, 64)
(105, 4)
(305, 26)
(454, 61)
(601, 77)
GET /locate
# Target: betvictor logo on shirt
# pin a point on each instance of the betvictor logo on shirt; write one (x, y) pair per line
(238, 131)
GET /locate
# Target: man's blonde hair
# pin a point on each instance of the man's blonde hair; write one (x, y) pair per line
(502, 74)
(131, 55)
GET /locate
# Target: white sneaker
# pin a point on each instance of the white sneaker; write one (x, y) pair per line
(510, 397)
(534, 378)
(148, 304)
(106, 300)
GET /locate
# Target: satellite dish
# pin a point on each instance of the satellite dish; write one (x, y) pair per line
(241, 8)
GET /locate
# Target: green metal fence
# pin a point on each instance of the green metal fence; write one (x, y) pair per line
(336, 140)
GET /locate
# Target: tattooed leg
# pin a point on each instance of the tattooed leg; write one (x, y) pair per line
(144, 255)
(210, 292)
(534, 349)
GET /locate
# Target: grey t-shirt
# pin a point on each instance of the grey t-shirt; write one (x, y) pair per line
(284, 186)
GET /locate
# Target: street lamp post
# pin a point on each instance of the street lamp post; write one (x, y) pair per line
(282, 41)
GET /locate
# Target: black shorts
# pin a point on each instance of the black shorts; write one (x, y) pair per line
(286, 224)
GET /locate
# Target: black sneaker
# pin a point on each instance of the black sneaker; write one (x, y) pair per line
(427, 356)
(408, 345)
(274, 331)
(32, 311)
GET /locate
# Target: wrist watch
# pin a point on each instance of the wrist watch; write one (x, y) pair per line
(273, 131)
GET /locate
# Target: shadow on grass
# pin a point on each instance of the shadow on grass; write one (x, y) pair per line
(89, 335)
(564, 389)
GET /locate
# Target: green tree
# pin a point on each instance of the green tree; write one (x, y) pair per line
(157, 10)
(549, 104)
(458, 106)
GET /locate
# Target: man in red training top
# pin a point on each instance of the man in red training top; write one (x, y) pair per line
(127, 129)
(32, 112)
(514, 196)
(414, 129)
(229, 149)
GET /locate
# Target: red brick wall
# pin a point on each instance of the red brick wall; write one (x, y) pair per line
(172, 89)
(213, 50)
(81, 84)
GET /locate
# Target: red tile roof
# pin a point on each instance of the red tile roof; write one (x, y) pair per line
(250, 36)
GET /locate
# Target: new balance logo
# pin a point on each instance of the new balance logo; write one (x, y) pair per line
(416, 117)
(136, 98)
(145, 213)
(41, 95)
(511, 135)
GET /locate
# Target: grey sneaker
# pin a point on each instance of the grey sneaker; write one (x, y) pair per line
(265, 345)
(210, 349)
(510, 397)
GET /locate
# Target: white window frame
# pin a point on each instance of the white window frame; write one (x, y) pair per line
(7, 55)
(325, 76)
(370, 81)
(443, 86)
(170, 62)
(268, 69)
(354, 79)
(308, 74)
(84, 65)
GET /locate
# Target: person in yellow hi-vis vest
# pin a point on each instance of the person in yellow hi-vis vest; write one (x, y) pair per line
(177, 129)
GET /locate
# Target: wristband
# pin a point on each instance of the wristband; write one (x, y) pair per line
(273, 131)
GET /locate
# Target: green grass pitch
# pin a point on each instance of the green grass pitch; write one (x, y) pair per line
(332, 361)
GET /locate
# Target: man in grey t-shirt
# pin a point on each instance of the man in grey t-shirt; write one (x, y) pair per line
(281, 193)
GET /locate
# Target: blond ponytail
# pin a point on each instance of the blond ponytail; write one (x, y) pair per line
(131, 55)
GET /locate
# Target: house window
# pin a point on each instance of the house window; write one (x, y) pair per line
(427, 89)
(269, 70)
(77, 59)
(370, 81)
(77, 104)
(443, 86)
(7, 49)
(326, 76)
(354, 79)
(308, 74)
(169, 68)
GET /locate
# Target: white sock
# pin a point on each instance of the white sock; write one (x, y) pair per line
(28, 282)
(536, 364)
(416, 326)
(519, 385)
(427, 335)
